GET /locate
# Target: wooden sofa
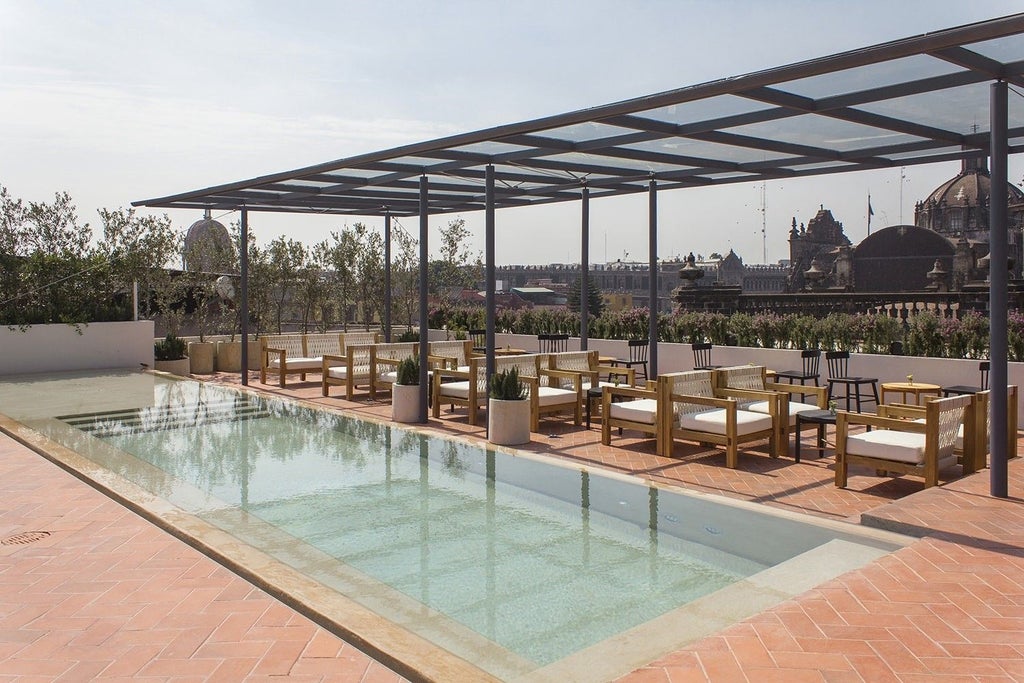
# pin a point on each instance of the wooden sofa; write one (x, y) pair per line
(296, 354)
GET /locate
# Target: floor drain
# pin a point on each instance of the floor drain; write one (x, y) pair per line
(25, 538)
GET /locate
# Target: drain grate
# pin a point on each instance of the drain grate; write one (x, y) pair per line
(25, 538)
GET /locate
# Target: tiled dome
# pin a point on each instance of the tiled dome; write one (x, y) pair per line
(208, 247)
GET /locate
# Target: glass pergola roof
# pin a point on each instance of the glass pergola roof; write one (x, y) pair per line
(912, 101)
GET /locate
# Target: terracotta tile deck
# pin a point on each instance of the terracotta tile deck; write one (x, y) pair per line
(110, 596)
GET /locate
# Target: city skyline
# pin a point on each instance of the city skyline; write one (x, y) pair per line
(114, 106)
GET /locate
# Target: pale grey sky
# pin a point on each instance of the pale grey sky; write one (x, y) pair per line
(115, 101)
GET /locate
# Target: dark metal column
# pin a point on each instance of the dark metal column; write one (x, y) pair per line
(489, 275)
(387, 276)
(652, 284)
(244, 293)
(585, 267)
(997, 296)
(424, 321)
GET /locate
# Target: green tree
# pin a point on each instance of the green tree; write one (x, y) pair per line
(454, 267)
(286, 258)
(405, 274)
(595, 302)
(342, 252)
(370, 273)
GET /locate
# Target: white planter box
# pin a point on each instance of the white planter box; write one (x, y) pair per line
(508, 422)
(405, 402)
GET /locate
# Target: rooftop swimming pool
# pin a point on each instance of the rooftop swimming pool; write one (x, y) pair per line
(528, 568)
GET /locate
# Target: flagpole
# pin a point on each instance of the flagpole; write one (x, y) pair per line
(870, 214)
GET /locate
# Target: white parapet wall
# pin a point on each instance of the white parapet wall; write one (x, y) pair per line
(58, 348)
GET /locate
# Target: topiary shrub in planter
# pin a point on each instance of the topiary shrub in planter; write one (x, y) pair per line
(405, 393)
(508, 411)
(169, 356)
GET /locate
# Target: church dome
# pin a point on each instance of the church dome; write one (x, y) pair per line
(959, 206)
(208, 247)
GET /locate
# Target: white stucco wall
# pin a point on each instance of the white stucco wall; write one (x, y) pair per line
(56, 348)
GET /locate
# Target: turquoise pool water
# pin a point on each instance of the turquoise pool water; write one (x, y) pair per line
(540, 559)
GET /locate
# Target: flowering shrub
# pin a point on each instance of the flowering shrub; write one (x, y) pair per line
(923, 334)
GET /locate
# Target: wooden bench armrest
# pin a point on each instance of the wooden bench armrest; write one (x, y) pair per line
(711, 401)
(820, 393)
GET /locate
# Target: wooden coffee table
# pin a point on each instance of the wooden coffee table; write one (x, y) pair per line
(905, 389)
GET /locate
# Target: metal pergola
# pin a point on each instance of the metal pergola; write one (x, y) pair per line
(936, 97)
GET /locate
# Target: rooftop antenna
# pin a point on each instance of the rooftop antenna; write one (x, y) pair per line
(764, 223)
(903, 176)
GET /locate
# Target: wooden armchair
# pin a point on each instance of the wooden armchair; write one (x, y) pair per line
(633, 408)
(464, 387)
(351, 370)
(454, 354)
(901, 445)
(384, 360)
(972, 439)
(585, 363)
(551, 390)
(695, 411)
(745, 378)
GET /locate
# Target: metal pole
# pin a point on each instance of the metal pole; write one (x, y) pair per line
(489, 275)
(652, 283)
(997, 295)
(424, 321)
(244, 294)
(585, 267)
(387, 276)
(135, 300)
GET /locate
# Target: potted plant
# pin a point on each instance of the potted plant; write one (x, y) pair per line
(405, 393)
(508, 411)
(201, 353)
(169, 356)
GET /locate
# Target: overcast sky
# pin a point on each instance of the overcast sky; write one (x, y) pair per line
(120, 101)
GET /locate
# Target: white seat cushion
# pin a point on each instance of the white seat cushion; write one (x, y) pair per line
(713, 421)
(644, 410)
(888, 444)
(340, 372)
(388, 377)
(455, 389)
(299, 363)
(553, 396)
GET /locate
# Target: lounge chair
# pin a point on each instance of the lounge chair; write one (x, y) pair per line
(906, 446)
(754, 378)
(696, 411)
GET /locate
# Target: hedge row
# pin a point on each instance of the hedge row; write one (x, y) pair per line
(924, 334)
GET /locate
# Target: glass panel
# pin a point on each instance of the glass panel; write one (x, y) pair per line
(614, 162)
(870, 76)
(920, 154)
(824, 132)
(704, 110)
(582, 132)
(709, 150)
(1005, 49)
(960, 110)
(490, 147)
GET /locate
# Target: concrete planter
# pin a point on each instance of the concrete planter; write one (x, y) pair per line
(508, 422)
(200, 355)
(405, 402)
(229, 356)
(178, 367)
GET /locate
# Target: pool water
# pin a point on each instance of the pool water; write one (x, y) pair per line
(509, 554)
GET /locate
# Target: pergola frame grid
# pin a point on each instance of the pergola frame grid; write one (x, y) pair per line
(636, 147)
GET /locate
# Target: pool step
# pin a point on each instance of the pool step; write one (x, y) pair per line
(164, 417)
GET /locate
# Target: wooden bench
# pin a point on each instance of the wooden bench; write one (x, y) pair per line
(352, 365)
